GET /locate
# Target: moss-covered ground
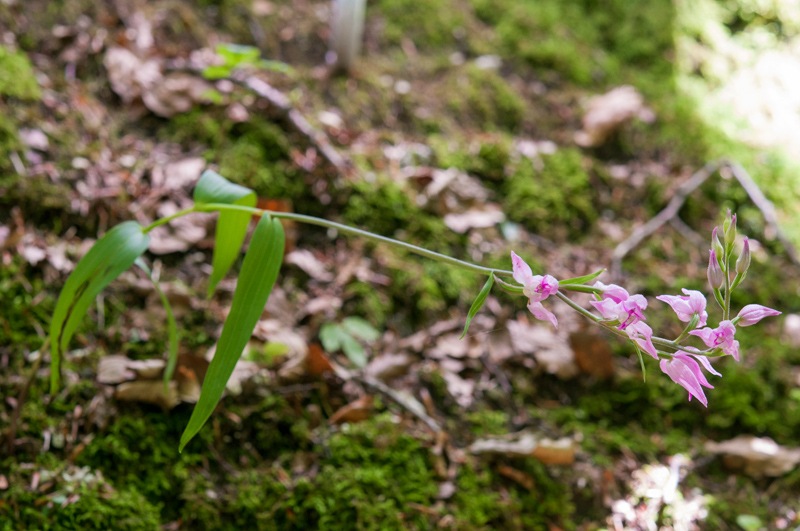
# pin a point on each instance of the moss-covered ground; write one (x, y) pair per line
(269, 459)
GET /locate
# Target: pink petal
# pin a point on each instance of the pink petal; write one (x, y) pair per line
(612, 291)
(706, 365)
(542, 313)
(522, 271)
(641, 334)
(681, 372)
(608, 309)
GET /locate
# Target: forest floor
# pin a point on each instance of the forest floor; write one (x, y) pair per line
(472, 127)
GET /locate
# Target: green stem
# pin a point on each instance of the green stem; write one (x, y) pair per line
(726, 311)
(660, 341)
(164, 221)
(580, 309)
(311, 220)
(689, 327)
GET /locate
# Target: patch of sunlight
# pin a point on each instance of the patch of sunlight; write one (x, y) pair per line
(739, 61)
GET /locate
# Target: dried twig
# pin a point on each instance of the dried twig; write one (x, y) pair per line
(407, 402)
(316, 138)
(670, 212)
(22, 397)
(766, 207)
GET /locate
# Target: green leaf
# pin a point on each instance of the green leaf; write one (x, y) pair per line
(584, 279)
(172, 327)
(360, 328)
(109, 256)
(477, 304)
(236, 54)
(331, 335)
(231, 226)
(259, 271)
(275, 66)
(216, 72)
(354, 351)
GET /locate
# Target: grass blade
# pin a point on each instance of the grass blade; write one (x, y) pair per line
(231, 226)
(477, 304)
(109, 256)
(259, 271)
(172, 327)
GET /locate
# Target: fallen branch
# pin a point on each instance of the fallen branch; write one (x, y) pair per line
(670, 213)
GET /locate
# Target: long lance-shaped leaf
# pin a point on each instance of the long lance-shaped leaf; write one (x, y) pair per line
(172, 327)
(477, 304)
(259, 272)
(231, 226)
(582, 280)
(109, 256)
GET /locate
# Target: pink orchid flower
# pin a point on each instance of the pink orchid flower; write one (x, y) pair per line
(753, 313)
(684, 370)
(641, 334)
(536, 287)
(687, 305)
(618, 305)
(720, 337)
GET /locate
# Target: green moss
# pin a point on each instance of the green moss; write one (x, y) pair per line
(428, 25)
(482, 96)
(584, 41)
(198, 126)
(80, 499)
(557, 196)
(16, 76)
(364, 299)
(369, 476)
(358, 485)
(259, 159)
(484, 500)
(488, 422)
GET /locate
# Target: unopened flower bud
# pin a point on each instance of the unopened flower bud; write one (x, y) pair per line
(715, 278)
(753, 313)
(717, 248)
(743, 262)
(729, 229)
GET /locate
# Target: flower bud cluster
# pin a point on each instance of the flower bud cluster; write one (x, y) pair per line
(623, 313)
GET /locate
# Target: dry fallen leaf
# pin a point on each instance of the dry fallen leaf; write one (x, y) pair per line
(518, 476)
(549, 349)
(548, 451)
(608, 112)
(481, 217)
(150, 391)
(592, 354)
(113, 369)
(310, 264)
(757, 456)
(355, 411)
(317, 361)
